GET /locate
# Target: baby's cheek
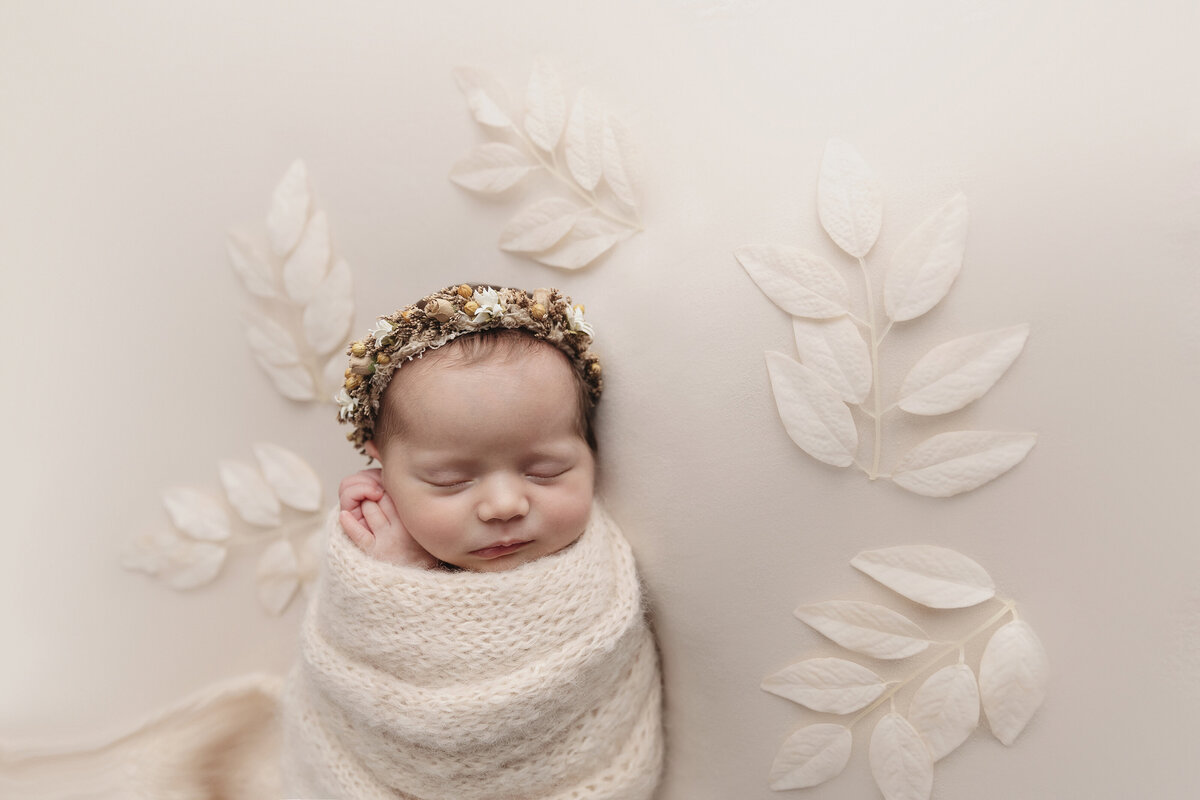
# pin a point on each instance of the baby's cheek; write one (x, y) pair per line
(418, 516)
(576, 509)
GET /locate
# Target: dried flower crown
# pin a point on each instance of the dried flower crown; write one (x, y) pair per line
(445, 315)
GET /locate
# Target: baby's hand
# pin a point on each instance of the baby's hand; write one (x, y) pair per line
(369, 518)
(364, 485)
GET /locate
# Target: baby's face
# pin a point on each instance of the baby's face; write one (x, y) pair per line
(489, 470)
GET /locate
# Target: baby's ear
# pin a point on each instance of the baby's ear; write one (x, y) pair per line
(372, 450)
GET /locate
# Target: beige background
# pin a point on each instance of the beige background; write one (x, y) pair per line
(134, 134)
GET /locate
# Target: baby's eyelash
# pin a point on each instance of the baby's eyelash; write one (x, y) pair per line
(447, 485)
(546, 475)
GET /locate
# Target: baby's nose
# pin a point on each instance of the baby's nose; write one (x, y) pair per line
(504, 498)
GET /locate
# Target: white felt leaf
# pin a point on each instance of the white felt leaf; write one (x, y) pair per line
(294, 481)
(619, 161)
(491, 167)
(835, 350)
(848, 199)
(813, 414)
(251, 265)
(292, 381)
(270, 342)
(587, 241)
(585, 141)
(960, 461)
(545, 106)
(866, 628)
(289, 209)
(192, 564)
(802, 284)
(927, 262)
(1012, 679)
(327, 318)
(900, 762)
(147, 552)
(197, 514)
(249, 493)
(486, 97)
(335, 369)
(832, 685)
(955, 373)
(810, 756)
(278, 576)
(306, 267)
(937, 577)
(180, 563)
(945, 709)
(539, 226)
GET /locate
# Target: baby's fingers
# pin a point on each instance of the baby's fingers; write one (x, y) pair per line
(388, 509)
(375, 518)
(359, 487)
(354, 490)
(367, 477)
(357, 532)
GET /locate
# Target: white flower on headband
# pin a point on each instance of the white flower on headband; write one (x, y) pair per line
(490, 306)
(382, 328)
(578, 324)
(346, 403)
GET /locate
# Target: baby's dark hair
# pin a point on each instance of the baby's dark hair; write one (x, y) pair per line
(471, 348)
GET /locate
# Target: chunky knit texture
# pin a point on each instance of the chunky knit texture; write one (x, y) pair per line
(537, 682)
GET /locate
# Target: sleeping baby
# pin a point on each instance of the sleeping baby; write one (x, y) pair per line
(478, 629)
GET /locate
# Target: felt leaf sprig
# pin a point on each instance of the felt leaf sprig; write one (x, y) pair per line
(839, 366)
(944, 709)
(304, 293)
(191, 552)
(588, 151)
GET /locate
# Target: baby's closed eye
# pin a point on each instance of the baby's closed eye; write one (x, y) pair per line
(546, 472)
(447, 480)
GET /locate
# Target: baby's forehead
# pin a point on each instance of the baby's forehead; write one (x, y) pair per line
(466, 366)
(488, 351)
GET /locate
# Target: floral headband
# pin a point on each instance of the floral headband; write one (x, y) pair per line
(445, 315)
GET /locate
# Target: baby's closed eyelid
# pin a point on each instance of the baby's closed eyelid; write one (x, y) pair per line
(548, 473)
(445, 480)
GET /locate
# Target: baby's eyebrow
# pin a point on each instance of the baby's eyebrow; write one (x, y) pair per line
(440, 460)
(540, 457)
(444, 465)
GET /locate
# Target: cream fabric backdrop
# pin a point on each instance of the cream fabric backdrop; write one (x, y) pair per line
(136, 133)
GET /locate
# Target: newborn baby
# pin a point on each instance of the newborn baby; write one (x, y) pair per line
(478, 630)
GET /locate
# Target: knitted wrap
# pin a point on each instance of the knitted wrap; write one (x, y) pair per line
(537, 682)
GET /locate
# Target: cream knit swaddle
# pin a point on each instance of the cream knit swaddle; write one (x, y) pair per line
(537, 682)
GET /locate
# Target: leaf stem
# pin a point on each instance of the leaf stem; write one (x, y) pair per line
(284, 530)
(1009, 607)
(289, 314)
(875, 382)
(590, 197)
(886, 330)
(859, 408)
